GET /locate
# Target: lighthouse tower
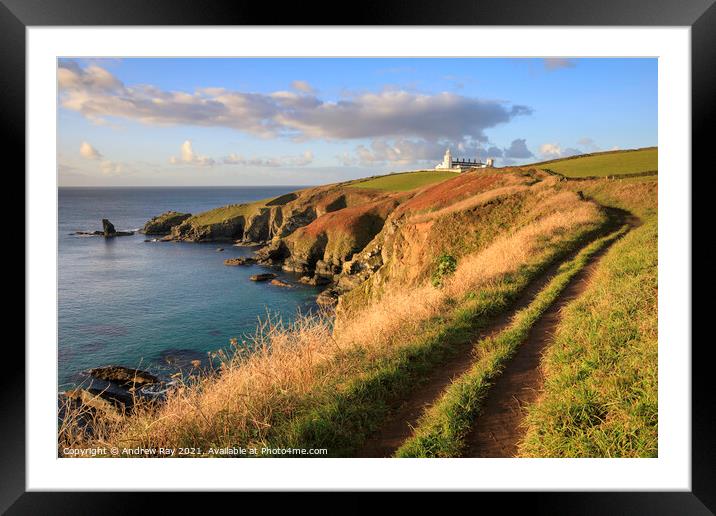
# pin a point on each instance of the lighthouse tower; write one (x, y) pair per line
(447, 161)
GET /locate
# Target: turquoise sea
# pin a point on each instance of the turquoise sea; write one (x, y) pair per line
(155, 306)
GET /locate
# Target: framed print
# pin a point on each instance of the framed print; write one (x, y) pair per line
(428, 250)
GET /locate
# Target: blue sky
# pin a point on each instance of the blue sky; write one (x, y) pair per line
(170, 121)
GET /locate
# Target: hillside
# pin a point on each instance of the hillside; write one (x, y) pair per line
(423, 277)
(404, 181)
(601, 164)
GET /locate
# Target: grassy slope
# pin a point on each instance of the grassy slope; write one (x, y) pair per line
(405, 181)
(600, 393)
(224, 213)
(340, 415)
(606, 163)
(441, 430)
(343, 416)
(637, 195)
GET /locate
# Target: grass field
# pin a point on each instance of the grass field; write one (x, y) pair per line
(613, 163)
(600, 393)
(224, 213)
(347, 414)
(405, 181)
(442, 429)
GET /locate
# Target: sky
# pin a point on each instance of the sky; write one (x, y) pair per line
(300, 121)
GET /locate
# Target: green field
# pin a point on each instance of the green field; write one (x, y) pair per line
(224, 213)
(442, 429)
(600, 392)
(405, 181)
(613, 163)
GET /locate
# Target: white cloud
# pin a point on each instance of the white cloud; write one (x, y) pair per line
(106, 166)
(415, 152)
(554, 151)
(300, 160)
(494, 152)
(98, 95)
(189, 157)
(550, 150)
(92, 78)
(518, 149)
(401, 152)
(302, 86)
(111, 167)
(89, 152)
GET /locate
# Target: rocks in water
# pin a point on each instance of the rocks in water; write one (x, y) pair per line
(163, 224)
(108, 231)
(280, 283)
(108, 228)
(243, 260)
(263, 276)
(219, 249)
(108, 392)
(124, 376)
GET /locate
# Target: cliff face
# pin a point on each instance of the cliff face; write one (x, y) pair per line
(454, 218)
(356, 237)
(323, 246)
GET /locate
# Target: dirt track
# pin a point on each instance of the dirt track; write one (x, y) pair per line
(401, 423)
(499, 429)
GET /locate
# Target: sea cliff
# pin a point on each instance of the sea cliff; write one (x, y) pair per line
(342, 235)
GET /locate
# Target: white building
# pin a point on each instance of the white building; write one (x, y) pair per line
(461, 165)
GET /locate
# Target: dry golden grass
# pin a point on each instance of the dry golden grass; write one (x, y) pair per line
(470, 203)
(281, 368)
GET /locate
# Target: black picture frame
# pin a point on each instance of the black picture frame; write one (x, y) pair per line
(700, 15)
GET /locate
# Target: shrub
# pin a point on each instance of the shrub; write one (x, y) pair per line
(446, 265)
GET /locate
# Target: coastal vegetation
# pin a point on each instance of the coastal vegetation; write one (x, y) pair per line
(419, 270)
(601, 372)
(402, 182)
(442, 429)
(608, 163)
(163, 224)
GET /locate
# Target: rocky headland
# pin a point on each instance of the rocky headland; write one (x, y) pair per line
(164, 223)
(343, 236)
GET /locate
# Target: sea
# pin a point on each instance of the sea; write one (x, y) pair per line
(156, 305)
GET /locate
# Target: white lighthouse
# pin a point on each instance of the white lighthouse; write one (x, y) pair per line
(461, 165)
(447, 161)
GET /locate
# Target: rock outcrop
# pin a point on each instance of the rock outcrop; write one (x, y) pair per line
(243, 260)
(109, 391)
(163, 224)
(263, 276)
(108, 228)
(108, 231)
(123, 376)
